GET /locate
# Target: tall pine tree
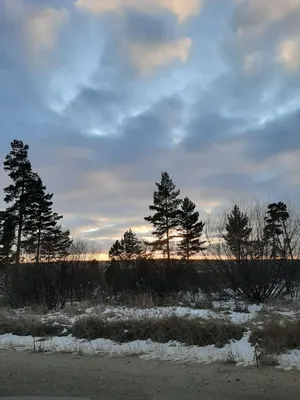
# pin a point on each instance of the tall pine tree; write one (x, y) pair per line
(43, 221)
(238, 233)
(166, 212)
(275, 230)
(190, 229)
(18, 194)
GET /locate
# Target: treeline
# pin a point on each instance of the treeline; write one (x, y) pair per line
(250, 253)
(176, 223)
(178, 232)
(29, 228)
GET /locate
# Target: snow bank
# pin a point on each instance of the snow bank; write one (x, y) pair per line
(239, 351)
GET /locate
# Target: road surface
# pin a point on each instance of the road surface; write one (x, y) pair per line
(110, 378)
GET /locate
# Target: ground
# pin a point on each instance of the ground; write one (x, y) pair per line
(116, 378)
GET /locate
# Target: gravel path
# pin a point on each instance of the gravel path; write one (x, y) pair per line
(108, 378)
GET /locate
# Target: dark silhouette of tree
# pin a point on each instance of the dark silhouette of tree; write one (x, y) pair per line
(18, 194)
(275, 230)
(116, 251)
(43, 223)
(190, 229)
(166, 212)
(237, 233)
(129, 248)
(56, 244)
(7, 237)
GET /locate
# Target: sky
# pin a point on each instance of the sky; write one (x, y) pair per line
(110, 93)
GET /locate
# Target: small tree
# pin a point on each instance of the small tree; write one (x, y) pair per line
(116, 251)
(19, 192)
(166, 212)
(129, 248)
(237, 233)
(7, 237)
(190, 229)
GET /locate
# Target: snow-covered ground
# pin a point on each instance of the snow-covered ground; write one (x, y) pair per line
(126, 313)
(240, 352)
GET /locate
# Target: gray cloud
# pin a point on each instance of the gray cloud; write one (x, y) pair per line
(149, 28)
(274, 137)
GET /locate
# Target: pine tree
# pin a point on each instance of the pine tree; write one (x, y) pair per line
(19, 170)
(7, 237)
(166, 212)
(190, 229)
(116, 251)
(276, 229)
(133, 247)
(238, 233)
(56, 244)
(42, 220)
(129, 248)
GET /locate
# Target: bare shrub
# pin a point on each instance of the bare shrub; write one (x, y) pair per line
(29, 326)
(277, 335)
(182, 329)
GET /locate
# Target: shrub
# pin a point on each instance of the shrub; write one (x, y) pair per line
(190, 331)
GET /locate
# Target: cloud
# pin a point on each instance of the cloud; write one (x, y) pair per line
(131, 92)
(149, 57)
(42, 28)
(182, 9)
(150, 41)
(38, 26)
(289, 54)
(276, 136)
(253, 17)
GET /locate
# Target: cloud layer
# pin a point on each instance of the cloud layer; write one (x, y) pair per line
(108, 94)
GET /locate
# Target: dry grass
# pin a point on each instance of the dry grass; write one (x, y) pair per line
(184, 330)
(25, 326)
(76, 308)
(6, 312)
(204, 304)
(144, 300)
(277, 335)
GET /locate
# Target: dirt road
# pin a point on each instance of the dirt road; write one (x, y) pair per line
(105, 378)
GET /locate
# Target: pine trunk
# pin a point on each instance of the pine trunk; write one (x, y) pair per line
(20, 225)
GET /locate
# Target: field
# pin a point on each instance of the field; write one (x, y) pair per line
(200, 332)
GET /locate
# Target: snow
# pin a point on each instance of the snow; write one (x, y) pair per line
(126, 313)
(123, 313)
(290, 359)
(240, 351)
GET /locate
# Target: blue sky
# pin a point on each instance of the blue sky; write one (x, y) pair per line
(108, 94)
